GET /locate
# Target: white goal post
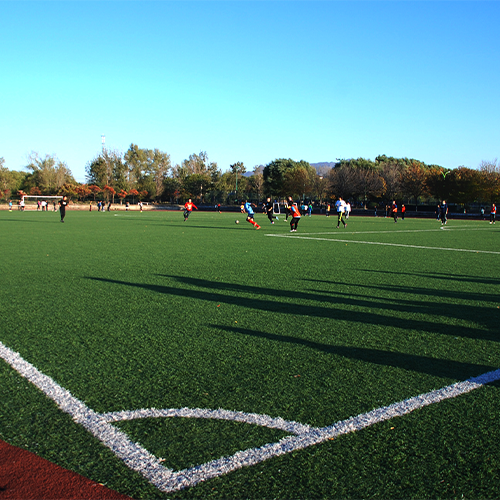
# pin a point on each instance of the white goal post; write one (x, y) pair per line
(36, 196)
(44, 198)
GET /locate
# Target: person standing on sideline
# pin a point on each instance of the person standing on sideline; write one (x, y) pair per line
(10, 205)
(270, 211)
(394, 210)
(347, 210)
(62, 207)
(340, 206)
(444, 212)
(403, 211)
(247, 206)
(328, 209)
(188, 208)
(295, 213)
(493, 213)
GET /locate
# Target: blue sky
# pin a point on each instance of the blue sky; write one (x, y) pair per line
(250, 81)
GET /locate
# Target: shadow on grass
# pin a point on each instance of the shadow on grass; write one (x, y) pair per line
(488, 317)
(441, 276)
(179, 224)
(56, 218)
(264, 299)
(443, 368)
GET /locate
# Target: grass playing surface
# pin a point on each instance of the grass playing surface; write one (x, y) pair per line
(135, 311)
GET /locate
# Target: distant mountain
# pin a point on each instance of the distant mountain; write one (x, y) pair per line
(323, 167)
(259, 170)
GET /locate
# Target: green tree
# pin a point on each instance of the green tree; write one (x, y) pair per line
(197, 176)
(342, 181)
(238, 168)
(413, 180)
(147, 169)
(48, 173)
(107, 169)
(286, 177)
(171, 189)
(438, 182)
(465, 185)
(256, 182)
(391, 169)
(490, 181)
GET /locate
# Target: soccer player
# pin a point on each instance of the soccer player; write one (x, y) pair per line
(493, 213)
(295, 213)
(444, 212)
(247, 206)
(288, 203)
(62, 207)
(188, 208)
(403, 211)
(394, 210)
(270, 211)
(340, 206)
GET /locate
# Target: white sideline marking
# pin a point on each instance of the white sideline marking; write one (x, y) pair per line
(380, 243)
(448, 228)
(166, 480)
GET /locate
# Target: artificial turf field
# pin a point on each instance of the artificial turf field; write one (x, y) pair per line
(130, 311)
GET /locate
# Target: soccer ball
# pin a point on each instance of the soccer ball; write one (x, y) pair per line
(237, 221)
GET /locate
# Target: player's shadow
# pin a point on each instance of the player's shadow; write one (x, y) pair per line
(484, 316)
(441, 276)
(177, 224)
(443, 368)
(33, 221)
(264, 299)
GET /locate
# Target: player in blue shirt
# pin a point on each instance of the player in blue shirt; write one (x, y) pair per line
(250, 213)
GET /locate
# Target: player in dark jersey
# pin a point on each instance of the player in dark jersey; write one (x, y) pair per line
(270, 211)
(62, 207)
(444, 212)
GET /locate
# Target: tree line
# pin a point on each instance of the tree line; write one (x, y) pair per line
(148, 174)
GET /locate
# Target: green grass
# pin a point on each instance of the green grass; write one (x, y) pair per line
(132, 310)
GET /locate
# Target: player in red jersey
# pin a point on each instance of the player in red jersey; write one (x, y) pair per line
(295, 213)
(188, 208)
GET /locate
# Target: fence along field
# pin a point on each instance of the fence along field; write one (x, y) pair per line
(399, 319)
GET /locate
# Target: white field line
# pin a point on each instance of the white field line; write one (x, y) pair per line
(220, 414)
(338, 240)
(446, 228)
(140, 460)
